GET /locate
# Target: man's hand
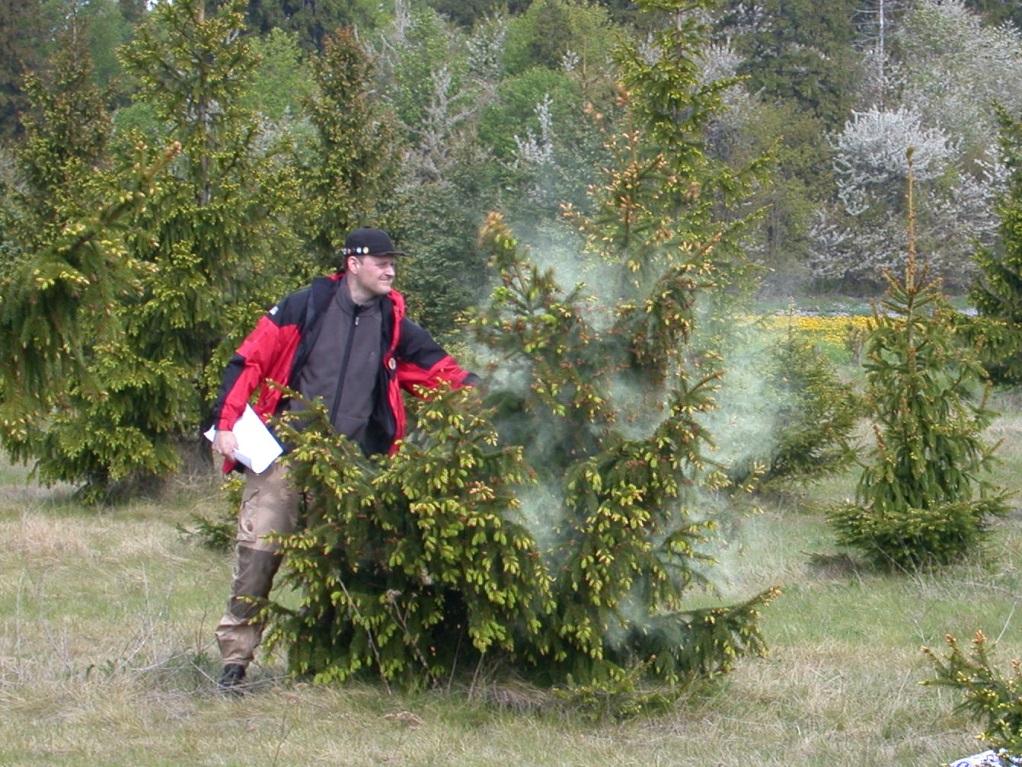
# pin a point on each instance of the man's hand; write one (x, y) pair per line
(225, 443)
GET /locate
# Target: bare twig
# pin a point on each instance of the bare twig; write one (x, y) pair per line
(369, 634)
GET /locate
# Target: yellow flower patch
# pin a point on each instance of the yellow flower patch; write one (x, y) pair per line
(828, 329)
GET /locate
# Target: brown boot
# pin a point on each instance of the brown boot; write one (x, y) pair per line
(232, 679)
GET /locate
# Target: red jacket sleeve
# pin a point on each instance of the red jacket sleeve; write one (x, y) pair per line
(265, 355)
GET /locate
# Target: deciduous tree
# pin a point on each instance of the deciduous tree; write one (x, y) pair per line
(857, 238)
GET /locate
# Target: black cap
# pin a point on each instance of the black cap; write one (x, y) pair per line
(369, 242)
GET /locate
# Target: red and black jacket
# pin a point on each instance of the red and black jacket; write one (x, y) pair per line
(279, 346)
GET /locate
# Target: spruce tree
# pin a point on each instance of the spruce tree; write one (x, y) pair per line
(997, 294)
(199, 253)
(66, 257)
(586, 577)
(26, 29)
(988, 694)
(66, 131)
(411, 566)
(923, 498)
(352, 170)
(812, 413)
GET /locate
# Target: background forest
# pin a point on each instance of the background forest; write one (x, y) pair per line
(491, 104)
(289, 123)
(608, 207)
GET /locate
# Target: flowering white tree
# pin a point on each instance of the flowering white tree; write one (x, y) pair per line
(881, 71)
(864, 232)
(938, 96)
(720, 61)
(432, 155)
(534, 155)
(486, 49)
(537, 148)
(954, 69)
(870, 156)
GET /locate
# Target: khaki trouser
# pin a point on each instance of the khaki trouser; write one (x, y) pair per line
(269, 504)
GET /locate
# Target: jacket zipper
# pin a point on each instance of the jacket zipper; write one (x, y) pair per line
(344, 366)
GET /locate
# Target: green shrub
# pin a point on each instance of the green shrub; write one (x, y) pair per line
(814, 413)
(990, 696)
(913, 537)
(217, 533)
(413, 566)
(410, 565)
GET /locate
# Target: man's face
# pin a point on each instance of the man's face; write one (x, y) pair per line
(372, 275)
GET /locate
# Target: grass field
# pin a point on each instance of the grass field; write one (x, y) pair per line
(107, 658)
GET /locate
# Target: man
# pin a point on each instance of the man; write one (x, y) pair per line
(345, 340)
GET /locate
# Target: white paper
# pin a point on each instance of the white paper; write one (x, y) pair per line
(257, 448)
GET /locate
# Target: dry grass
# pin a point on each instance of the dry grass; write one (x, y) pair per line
(106, 658)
